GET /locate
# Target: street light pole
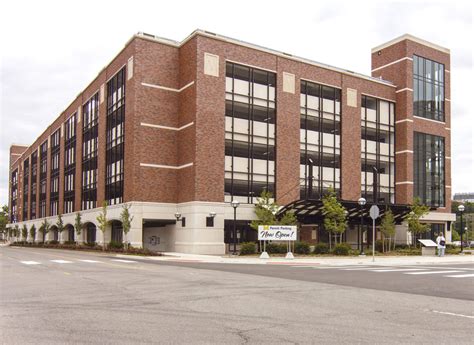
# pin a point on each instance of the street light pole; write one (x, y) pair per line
(461, 211)
(362, 202)
(235, 204)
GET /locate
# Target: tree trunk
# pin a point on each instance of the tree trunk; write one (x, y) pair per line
(330, 243)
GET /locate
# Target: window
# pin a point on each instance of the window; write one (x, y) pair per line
(14, 196)
(26, 184)
(428, 88)
(90, 131)
(34, 175)
(378, 148)
(69, 164)
(43, 176)
(115, 138)
(320, 140)
(428, 168)
(250, 133)
(54, 180)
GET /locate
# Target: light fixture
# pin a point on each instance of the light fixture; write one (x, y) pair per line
(212, 214)
(461, 229)
(177, 215)
(361, 203)
(235, 204)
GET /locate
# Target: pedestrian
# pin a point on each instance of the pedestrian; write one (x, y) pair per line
(441, 241)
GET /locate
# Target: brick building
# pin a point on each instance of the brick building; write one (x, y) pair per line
(185, 127)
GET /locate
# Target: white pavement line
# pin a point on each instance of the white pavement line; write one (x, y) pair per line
(399, 270)
(303, 266)
(452, 314)
(433, 272)
(126, 261)
(61, 261)
(91, 261)
(461, 276)
(30, 262)
(359, 268)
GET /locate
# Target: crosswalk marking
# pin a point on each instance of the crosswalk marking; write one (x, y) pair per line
(460, 276)
(433, 272)
(399, 270)
(125, 261)
(90, 261)
(61, 261)
(30, 262)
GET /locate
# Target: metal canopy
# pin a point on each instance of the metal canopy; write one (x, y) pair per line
(309, 211)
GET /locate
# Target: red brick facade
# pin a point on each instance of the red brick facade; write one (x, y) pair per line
(175, 123)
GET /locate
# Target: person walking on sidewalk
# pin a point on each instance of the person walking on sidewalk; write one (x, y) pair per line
(441, 241)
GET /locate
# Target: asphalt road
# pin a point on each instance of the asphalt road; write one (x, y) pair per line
(66, 297)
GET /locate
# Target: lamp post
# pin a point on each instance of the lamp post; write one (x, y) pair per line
(362, 203)
(235, 204)
(461, 211)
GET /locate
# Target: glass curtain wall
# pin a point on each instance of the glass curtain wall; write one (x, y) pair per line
(115, 138)
(250, 132)
(320, 140)
(428, 88)
(428, 165)
(69, 163)
(90, 131)
(378, 148)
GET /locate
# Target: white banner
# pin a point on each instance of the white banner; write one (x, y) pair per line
(277, 232)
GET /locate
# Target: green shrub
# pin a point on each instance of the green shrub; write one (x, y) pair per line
(115, 245)
(302, 247)
(401, 246)
(248, 248)
(276, 248)
(53, 242)
(321, 248)
(342, 249)
(69, 243)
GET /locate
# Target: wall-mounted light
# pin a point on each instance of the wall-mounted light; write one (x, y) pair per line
(210, 219)
(178, 217)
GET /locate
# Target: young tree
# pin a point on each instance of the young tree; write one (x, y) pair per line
(45, 227)
(60, 226)
(388, 228)
(288, 218)
(334, 216)
(265, 210)
(4, 220)
(24, 232)
(126, 221)
(415, 227)
(16, 232)
(78, 224)
(103, 222)
(33, 233)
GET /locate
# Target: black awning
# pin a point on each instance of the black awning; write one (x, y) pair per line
(310, 211)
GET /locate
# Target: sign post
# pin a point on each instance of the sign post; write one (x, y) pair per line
(374, 214)
(276, 233)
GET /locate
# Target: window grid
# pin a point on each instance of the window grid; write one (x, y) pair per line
(115, 139)
(54, 178)
(26, 175)
(69, 164)
(43, 176)
(320, 121)
(250, 154)
(428, 88)
(14, 196)
(378, 131)
(428, 165)
(34, 170)
(90, 132)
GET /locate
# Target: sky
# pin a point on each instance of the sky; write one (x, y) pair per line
(51, 50)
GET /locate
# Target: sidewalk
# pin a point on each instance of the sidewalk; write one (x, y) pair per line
(312, 261)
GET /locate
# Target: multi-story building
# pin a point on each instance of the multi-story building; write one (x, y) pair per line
(185, 127)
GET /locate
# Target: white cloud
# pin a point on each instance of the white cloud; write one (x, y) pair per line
(51, 50)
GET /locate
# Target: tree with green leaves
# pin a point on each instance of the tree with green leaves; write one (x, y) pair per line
(60, 226)
(78, 225)
(45, 227)
(415, 226)
(265, 210)
(387, 226)
(126, 219)
(4, 220)
(24, 232)
(103, 221)
(33, 233)
(334, 216)
(17, 232)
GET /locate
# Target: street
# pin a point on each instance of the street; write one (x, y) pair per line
(65, 297)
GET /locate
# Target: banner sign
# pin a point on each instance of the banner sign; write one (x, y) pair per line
(277, 233)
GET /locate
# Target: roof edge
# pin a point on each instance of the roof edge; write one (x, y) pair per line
(411, 38)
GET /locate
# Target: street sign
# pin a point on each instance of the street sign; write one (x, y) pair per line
(374, 212)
